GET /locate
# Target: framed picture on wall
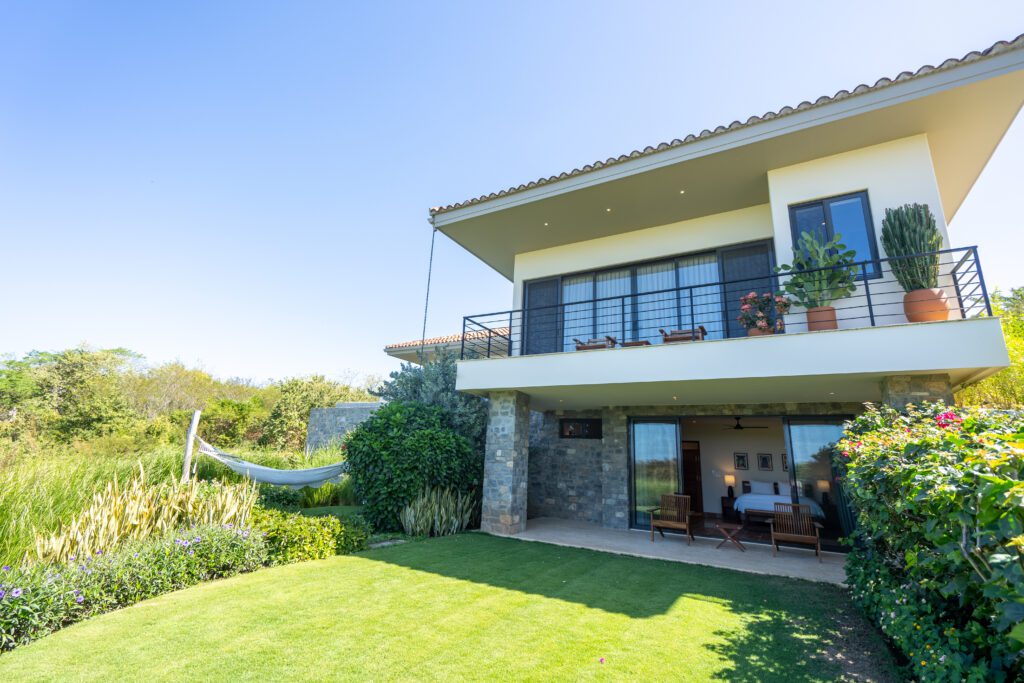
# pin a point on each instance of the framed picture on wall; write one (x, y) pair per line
(739, 461)
(785, 462)
(764, 462)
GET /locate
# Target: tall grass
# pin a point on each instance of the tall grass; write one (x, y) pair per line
(44, 486)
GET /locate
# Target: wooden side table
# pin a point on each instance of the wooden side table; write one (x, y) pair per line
(728, 511)
(730, 532)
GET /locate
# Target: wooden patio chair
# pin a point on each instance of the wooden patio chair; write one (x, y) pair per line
(673, 513)
(793, 523)
(592, 344)
(672, 336)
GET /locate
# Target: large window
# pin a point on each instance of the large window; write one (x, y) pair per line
(847, 215)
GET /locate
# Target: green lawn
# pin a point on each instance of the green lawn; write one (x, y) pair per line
(471, 607)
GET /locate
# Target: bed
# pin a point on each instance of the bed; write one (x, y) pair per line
(759, 498)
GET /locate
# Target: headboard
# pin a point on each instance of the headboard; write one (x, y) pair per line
(746, 487)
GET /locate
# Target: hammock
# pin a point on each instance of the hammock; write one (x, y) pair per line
(294, 479)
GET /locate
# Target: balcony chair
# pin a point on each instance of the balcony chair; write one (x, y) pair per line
(672, 336)
(673, 513)
(793, 523)
(592, 344)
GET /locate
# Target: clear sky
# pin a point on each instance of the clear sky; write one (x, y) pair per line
(245, 185)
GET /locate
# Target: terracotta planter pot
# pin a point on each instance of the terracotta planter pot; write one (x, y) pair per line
(926, 305)
(755, 332)
(821, 318)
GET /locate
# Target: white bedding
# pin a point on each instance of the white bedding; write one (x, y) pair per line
(766, 502)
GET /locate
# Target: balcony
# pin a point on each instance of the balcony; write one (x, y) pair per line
(687, 344)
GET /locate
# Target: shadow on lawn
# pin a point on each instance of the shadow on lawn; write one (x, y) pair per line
(792, 631)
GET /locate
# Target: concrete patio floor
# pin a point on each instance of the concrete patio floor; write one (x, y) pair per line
(797, 563)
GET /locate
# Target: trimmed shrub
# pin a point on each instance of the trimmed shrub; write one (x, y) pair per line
(38, 599)
(937, 559)
(402, 449)
(292, 537)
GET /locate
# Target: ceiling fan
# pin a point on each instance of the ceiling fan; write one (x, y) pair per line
(741, 427)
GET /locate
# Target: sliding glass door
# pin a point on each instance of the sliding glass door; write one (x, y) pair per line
(654, 451)
(812, 478)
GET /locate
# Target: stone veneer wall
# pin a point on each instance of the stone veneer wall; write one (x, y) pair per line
(588, 479)
(327, 425)
(899, 390)
(505, 463)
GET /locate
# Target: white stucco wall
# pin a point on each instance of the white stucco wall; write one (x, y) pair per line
(893, 174)
(699, 234)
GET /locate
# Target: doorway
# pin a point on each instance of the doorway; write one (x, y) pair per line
(693, 485)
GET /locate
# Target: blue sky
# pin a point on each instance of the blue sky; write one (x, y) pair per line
(244, 185)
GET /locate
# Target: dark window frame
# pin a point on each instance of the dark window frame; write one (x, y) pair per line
(825, 204)
(590, 428)
(632, 266)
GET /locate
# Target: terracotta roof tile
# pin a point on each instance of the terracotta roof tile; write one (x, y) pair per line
(447, 339)
(998, 48)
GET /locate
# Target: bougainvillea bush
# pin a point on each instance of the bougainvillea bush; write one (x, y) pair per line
(937, 559)
(38, 599)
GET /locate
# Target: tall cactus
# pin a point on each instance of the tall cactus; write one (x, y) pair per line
(910, 230)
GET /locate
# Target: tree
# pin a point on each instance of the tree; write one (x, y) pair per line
(433, 383)
(1005, 389)
(286, 425)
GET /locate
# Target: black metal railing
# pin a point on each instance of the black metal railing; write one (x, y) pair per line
(712, 310)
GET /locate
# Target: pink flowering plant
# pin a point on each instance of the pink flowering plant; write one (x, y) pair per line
(763, 311)
(937, 560)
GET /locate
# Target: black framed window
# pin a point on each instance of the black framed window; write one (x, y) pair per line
(579, 429)
(633, 302)
(847, 215)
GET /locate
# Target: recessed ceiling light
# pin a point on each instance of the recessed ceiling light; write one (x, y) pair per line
(545, 225)
(608, 210)
(675, 398)
(831, 393)
(682, 191)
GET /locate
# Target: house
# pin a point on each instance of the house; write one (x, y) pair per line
(621, 370)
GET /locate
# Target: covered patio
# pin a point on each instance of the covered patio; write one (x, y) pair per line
(792, 562)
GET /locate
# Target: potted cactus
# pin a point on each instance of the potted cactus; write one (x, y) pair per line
(819, 275)
(911, 241)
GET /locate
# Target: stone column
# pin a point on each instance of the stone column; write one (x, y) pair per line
(505, 463)
(899, 390)
(614, 469)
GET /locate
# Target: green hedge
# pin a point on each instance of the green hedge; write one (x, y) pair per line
(403, 448)
(292, 537)
(937, 560)
(38, 599)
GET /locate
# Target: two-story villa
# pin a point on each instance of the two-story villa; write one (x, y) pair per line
(622, 369)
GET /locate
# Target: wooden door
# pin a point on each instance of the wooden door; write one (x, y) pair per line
(692, 483)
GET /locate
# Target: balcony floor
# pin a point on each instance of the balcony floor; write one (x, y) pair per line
(792, 562)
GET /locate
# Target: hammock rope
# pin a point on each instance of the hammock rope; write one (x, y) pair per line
(314, 477)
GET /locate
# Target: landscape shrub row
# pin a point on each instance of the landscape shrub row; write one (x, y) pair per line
(937, 560)
(37, 599)
(292, 537)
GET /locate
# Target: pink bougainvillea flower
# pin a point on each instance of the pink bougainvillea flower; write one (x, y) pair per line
(601, 660)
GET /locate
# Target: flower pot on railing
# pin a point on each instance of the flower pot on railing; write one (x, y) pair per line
(821, 318)
(760, 332)
(926, 305)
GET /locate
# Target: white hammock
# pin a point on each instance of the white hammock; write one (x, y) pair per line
(295, 479)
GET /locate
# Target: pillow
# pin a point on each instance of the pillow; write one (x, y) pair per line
(762, 488)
